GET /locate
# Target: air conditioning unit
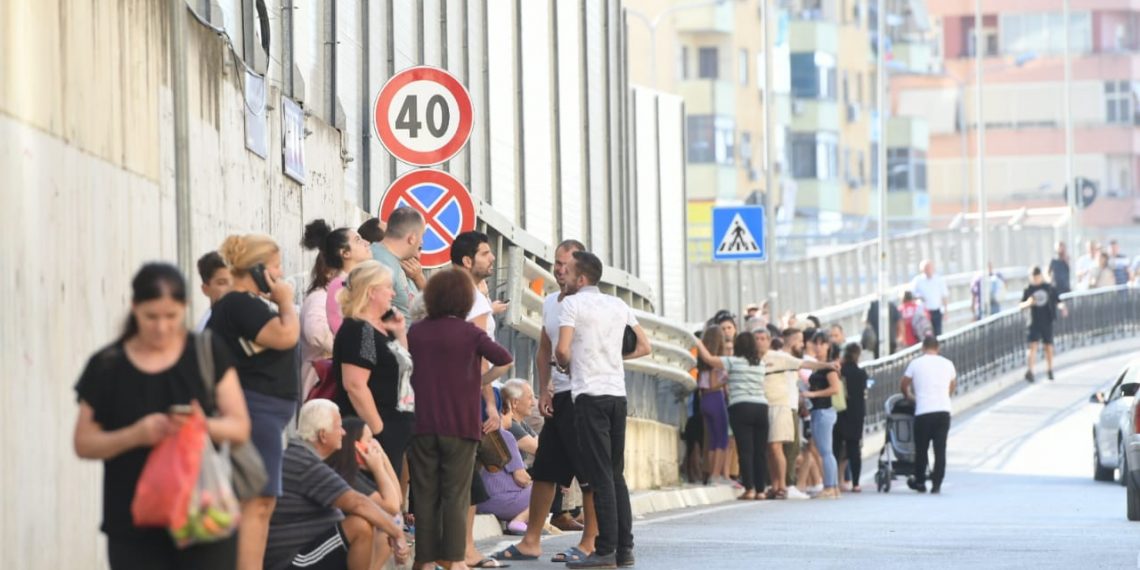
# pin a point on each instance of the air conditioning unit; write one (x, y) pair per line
(797, 107)
(852, 112)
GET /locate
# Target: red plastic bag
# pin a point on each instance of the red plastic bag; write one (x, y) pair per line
(169, 477)
(213, 511)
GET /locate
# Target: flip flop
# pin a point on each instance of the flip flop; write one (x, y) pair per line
(511, 552)
(490, 563)
(572, 554)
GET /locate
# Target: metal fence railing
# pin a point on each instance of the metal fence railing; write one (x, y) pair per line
(986, 349)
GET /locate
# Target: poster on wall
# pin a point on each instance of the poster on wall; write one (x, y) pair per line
(293, 145)
(256, 122)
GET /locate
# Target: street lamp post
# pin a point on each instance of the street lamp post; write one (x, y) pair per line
(979, 163)
(1070, 181)
(881, 108)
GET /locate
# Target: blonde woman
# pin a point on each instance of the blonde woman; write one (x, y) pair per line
(371, 364)
(262, 336)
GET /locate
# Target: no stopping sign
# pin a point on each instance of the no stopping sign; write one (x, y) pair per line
(423, 115)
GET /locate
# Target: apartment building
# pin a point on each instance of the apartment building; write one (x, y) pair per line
(1023, 101)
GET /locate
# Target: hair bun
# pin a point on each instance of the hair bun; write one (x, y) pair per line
(315, 233)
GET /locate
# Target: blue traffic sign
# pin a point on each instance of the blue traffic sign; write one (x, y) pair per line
(738, 234)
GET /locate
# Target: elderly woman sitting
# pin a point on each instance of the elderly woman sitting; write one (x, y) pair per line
(509, 489)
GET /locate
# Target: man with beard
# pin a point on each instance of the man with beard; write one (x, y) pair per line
(557, 460)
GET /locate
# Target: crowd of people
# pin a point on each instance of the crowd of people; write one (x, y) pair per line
(376, 407)
(780, 408)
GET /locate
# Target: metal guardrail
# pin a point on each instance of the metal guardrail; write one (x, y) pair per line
(996, 345)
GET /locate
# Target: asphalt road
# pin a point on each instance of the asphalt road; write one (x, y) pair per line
(1019, 494)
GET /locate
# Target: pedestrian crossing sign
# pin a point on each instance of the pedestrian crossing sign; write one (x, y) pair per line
(738, 234)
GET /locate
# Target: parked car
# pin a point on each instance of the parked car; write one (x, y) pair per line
(1116, 445)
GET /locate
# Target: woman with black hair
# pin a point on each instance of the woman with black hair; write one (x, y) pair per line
(747, 409)
(342, 250)
(849, 429)
(131, 396)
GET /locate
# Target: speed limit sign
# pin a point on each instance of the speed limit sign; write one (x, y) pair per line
(423, 115)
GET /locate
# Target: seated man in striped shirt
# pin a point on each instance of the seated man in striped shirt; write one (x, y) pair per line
(320, 522)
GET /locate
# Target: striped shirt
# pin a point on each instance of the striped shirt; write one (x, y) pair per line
(305, 509)
(745, 381)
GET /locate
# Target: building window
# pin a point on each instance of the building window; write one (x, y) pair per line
(813, 75)
(906, 170)
(708, 65)
(683, 68)
(743, 68)
(1118, 178)
(814, 155)
(711, 139)
(1044, 33)
(1118, 102)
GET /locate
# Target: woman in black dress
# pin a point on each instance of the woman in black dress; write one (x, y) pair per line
(126, 395)
(849, 429)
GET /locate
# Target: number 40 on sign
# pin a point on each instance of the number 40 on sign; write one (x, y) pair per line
(423, 116)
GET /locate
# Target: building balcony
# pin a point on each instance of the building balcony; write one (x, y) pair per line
(819, 195)
(908, 205)
(913, 57)
(908, 132)
(810, 115)
(709, 96)
(711, 19)
(813, 35)
(711, 181)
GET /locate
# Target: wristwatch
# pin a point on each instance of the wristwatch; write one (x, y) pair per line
(559, 367)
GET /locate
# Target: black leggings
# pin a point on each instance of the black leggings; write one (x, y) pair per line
(851, 449)
(750, 427)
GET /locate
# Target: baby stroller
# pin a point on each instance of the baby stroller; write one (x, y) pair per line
(897, 456)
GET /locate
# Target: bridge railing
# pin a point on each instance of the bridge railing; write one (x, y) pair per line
(984, 350)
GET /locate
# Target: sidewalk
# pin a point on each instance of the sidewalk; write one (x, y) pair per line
(650, 502)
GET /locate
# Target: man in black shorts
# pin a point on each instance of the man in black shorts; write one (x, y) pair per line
(1043, 302)
(556, 461)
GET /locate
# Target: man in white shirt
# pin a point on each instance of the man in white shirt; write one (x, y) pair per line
(591, 330)
(1087, 263)
(471, 254)
(933, 291)
(557, 460)
(929, 381)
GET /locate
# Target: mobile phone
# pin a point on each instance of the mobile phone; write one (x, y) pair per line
(181, 409)
(391, 314)
(503, 297)
(257, 272)
(361, 448)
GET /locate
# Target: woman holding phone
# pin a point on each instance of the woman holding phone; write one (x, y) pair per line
(371, 364)
(259, 324)
(132, 394)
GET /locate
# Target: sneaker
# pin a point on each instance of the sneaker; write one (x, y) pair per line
(815, 490)
(595, 561)
(625, 557)
(1029, 376)
(1050, 375)
(797, 495)
(915, 485)
(936, 489)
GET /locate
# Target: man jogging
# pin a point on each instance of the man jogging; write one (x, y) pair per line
(1043, 301)
(929, 381)
(590, 334)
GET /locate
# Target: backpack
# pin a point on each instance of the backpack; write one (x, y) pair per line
(920, 322)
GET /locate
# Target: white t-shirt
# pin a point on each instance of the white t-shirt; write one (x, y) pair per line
(201, 326)
(551, 309)
(931, 375)
(932, 291)
(599, 321)
(482, 306)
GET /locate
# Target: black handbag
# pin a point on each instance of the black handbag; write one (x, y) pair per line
(249, 475)
(628, 341)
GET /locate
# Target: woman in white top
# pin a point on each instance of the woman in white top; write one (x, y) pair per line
(338, 252)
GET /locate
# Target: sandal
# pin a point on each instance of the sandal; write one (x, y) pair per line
(512, 553)
(490, 563)
(572, 554)
(856, 489)
(748, 496)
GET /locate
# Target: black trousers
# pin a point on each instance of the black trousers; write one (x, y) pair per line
(933, 427)
(601, 441)
(750, 427)
(155, 549)
(935, 322)
(850, 449)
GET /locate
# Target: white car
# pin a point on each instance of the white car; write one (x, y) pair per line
(1116, 446)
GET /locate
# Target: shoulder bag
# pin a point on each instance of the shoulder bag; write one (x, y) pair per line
(249, 475)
